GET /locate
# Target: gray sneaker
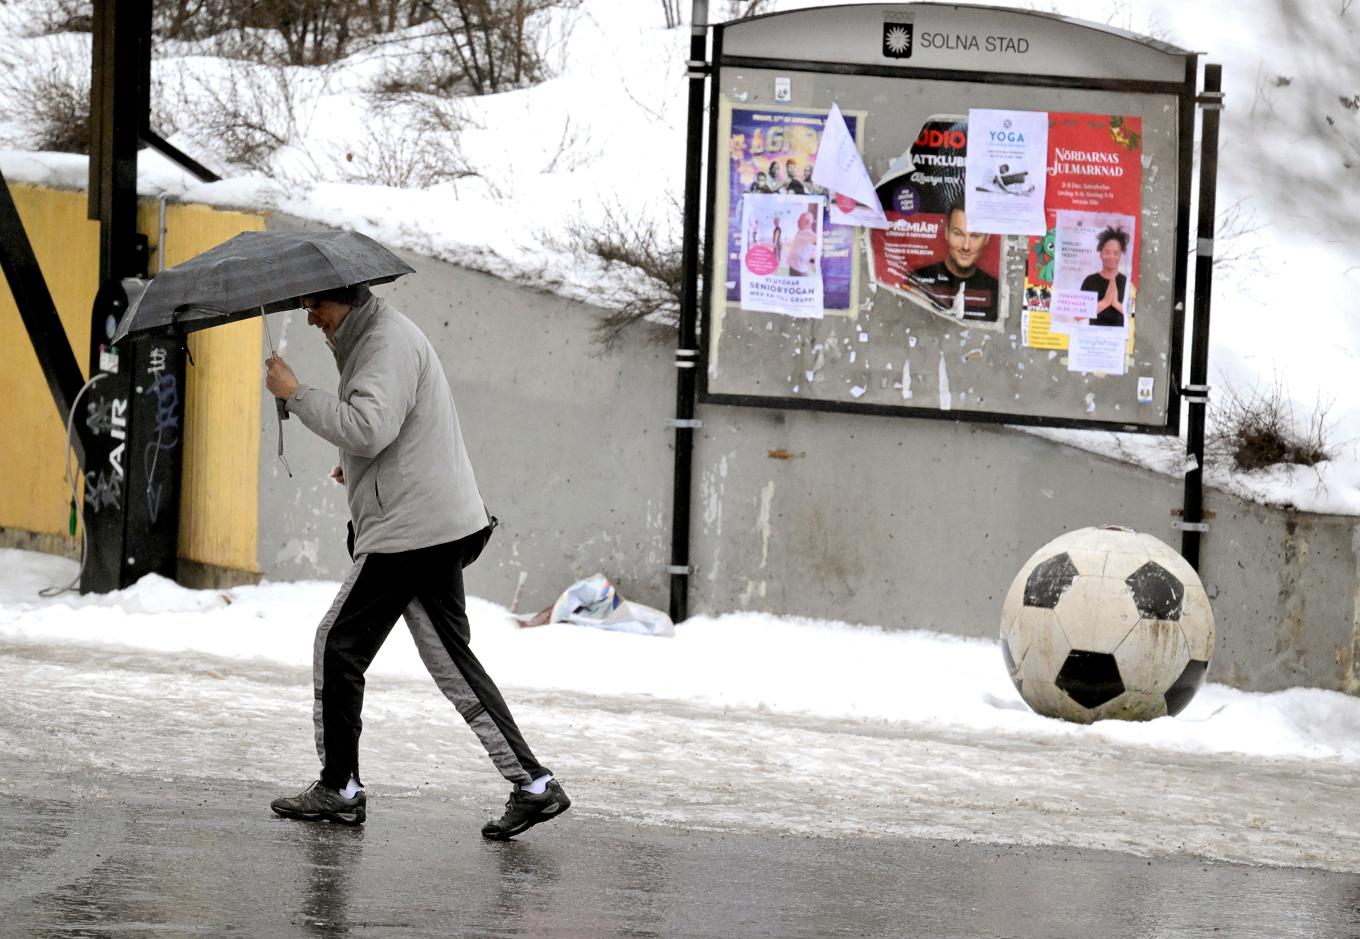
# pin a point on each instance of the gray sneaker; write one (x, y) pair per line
(525, 810)
(319, 803)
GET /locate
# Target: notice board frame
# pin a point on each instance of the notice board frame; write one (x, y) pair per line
(1184, 93)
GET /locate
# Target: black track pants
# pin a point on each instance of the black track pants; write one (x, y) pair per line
(426, 585)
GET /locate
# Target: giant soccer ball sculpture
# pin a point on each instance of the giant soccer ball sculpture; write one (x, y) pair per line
(1107, 623)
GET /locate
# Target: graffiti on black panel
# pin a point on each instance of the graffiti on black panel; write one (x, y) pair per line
(107, 416)
(104, 489)
(164, 393)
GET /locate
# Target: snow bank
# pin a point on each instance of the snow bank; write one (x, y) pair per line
(741, 662)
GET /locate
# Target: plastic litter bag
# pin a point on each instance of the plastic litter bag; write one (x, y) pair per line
(594, 602)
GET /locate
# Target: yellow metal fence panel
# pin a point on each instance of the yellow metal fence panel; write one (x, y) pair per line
(219, 498)
(34, 496)
(220, 492)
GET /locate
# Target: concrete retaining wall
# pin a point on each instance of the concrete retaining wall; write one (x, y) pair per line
(898, 523)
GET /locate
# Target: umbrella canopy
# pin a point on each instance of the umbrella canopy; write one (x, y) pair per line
(256, 272)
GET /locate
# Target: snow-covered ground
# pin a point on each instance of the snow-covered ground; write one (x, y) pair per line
(606, 134)
(739, 722)
(745, 720)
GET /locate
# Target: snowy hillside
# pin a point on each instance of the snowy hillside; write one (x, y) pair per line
(499, 181)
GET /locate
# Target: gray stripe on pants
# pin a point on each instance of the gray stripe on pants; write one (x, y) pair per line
(319, 653)
(455, 687)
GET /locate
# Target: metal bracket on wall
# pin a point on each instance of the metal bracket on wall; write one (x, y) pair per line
(689, 423)
(1210, 100)
(1195, 393)
(1182, 525)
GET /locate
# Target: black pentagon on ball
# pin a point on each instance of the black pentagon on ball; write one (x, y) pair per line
(1184, 688)
(1090, 678)
(1157, 592)
(1049, 581)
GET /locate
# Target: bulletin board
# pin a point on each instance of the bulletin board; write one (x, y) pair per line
(1002, 236)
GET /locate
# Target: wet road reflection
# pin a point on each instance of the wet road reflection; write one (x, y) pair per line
(332, 854)
(141, 856)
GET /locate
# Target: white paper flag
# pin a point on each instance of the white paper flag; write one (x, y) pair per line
(840, 168)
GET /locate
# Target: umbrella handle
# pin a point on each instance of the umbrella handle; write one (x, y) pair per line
(278, 402)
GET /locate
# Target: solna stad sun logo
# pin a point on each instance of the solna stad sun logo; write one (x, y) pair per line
(897, 40)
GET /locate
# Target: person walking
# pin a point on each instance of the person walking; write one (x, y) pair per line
(416, 521)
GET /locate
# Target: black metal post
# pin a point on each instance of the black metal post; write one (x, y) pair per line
(686, 353)
(1197, 392)
(120, 97)
(134, 419)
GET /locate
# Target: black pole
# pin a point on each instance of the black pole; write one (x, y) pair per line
(120, 97)
(686, 353)
(1197, 392)
(134, 420)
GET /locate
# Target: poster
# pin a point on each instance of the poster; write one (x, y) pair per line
(1096, 349)
(1094, 181)
(931, 252)
(781, 254)
(1092, 268)
(772, 152)
(1005, 168)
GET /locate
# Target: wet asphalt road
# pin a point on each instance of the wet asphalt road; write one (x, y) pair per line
(133, 856)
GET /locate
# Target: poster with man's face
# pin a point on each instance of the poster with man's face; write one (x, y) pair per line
(930, 253)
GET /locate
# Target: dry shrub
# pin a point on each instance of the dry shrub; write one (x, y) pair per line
(308, 32)
(741, 9)
(246, 118)
(49, 99)
(1258, 428)
(484, 46)
(646, 268)
(409, 154)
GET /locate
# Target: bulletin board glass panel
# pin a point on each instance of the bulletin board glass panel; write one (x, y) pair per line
(1023, 269)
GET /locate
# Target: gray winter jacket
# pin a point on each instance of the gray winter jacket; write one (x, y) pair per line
(407, 472)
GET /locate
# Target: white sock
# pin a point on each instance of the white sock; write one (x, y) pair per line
(351, 788)
(539, 785)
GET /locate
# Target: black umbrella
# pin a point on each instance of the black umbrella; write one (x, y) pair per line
(256, 272)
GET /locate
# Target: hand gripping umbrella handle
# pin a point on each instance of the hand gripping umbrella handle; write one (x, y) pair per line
(279, 407)
(278, 402)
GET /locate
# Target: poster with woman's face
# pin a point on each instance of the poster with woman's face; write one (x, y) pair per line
(1092, 269)
(1094, 170)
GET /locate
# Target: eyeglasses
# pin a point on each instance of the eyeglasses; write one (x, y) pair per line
(312, 307)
